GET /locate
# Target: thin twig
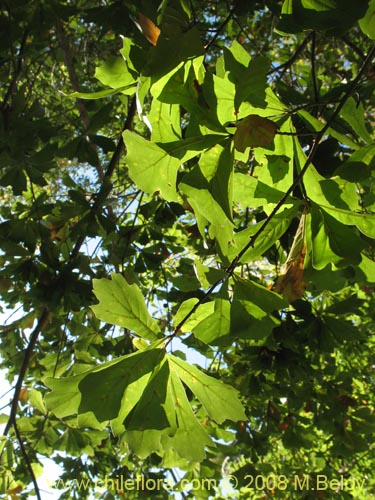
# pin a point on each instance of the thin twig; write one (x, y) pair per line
(27, 460)
(283, 67)
(176, 480)
(105, 188)
(17, 71)
(222, 25)
(354, 47)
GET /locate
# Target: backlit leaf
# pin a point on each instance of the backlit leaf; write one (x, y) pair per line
(122, 304)
(150, 167)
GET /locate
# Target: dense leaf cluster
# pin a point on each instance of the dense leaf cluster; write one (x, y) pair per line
(187, 231)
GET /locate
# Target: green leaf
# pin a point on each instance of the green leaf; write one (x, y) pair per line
(220, 400)
(252, 84)
(363, 221)
(182, 87)
(273, 232)
(200, 196)
(334, 16)
(333, 242)
(36, 400)
(250, 192)
(145, 424)
(165, 121)
(142, 396)
(367, 266)
(258, 295)
(216, 165)
(216, 325)
(236, 60)
(276, 163)
(353, 114)
(207, 276)
(101, 390)
(209, 321)
(114, 73)
(359, 165)
(367, 23)
(122, 304)
(163, 419)
(248, 318)
(150, 167)
(187, 446)
(317, 125)
(171, 50)
(16, 178)
(192, 146)
(341, 330)
(339, 198)
(202, 311)
(248, 75)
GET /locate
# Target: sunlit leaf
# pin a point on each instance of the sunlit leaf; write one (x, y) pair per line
(220, 401)
(367, 23)
(114, 73)
(150, 167)
(122, 304)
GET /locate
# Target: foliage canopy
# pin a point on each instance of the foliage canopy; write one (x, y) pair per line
(188, 226)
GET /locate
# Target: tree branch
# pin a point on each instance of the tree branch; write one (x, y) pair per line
(99, 197)
(283, 67)
(65, 47)
(236, 261)
(27, 460)
(42, 323)
(17, 71)
(313, 68)
(354, 47)
(222, 25)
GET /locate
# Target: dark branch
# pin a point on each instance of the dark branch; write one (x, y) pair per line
(313, 68)
(354, 47)
(17, 71)
(66, 51)
(27, 460)
(42, 323)
(99, 197)
(283, 67)
(222, 25)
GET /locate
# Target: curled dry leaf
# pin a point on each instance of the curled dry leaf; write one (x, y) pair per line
(291, 284)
